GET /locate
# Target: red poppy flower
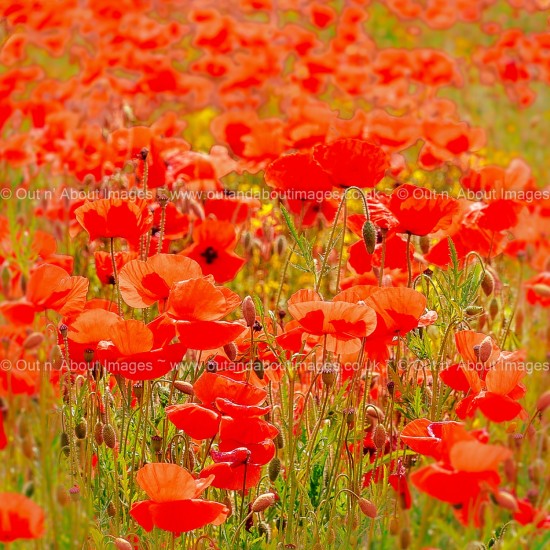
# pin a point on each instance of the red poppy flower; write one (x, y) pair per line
(195, 420)
(49, 288)
(352, 162)
(104, 264)
(342, 324)
(197, 305)
(144, 283)
(213, 249)
(114, 218)
(421, 211)
(174, 504)
(20, 518)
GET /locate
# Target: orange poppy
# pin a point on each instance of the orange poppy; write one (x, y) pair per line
(144, 283)
(20, 518)
(174, 503)
(114, 218)
(213, 248)
(49, 288)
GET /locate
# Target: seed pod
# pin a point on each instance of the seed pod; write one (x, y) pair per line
(138, 390)
(394, 526)
(473, 310)
(249, 311)
(74, 492)
(328, 376)
(263, 502)
(111, 509)
(28, 488)
(211, 366)
(493, 308)
(369, 236)
(424, 244)
(109, 436)
(279, 440)
(122, 544)
(156, 443)
(367, 507)
(81, 429)
(379, 436)
(281, 245)
(349, 416)
(184, 387)
(33, 340)
(89, 355)
(230, 350)
(488, 283)
(98, 433)
(274, 469)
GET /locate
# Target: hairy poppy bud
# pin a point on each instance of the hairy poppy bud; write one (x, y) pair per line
(56, 357)
(249, 311)
(274, 468)
(473, 310)
(394, 526)
(98, 433)
(493, 308)
(263, 502)
(367, 507)
(424, 244)
(258, 368)
(281, 245)
(506, 500)
(405, 538)
(33, 340)
(488, 283)
(122, 544)
(544, 401)
(109, 436)
(379, 436)
(369, 236)
(542, 290)
(184, 387)
(81, 429)
(483, 352)
(230, 350)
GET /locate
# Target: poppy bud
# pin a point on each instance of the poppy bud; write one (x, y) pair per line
(33, 340)
(122, 544)
(81, 429)
(281, 245)
(29, 449)
(184, 387)
(493, 308)
(56, 357)
(369, 236)
(98, 433)
(542, 290)
(258, 368)
(109, 436)
(328, 376)
(263, 502)
(379, 436)
(484, 350)
(230, 350)
(249, 311)
(331, 535)
(89, 355)
(111, 509)
(274, 468)
(405, 538)
(247, 241)
(488, 283)
(65, 443)
(506, 500)
(367, 507)
(424, 244)
(279, 440)
(510, 470)
(62, 496)
(536, 470)
(473, 310)
(544, 401)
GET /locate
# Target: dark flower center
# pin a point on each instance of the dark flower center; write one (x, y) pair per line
(209, 255)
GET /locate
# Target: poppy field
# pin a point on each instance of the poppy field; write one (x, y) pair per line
(274, 274)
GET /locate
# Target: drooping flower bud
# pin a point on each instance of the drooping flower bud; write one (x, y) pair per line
(367, 507)
(369, 236)
(263, 502)
(249, 311)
